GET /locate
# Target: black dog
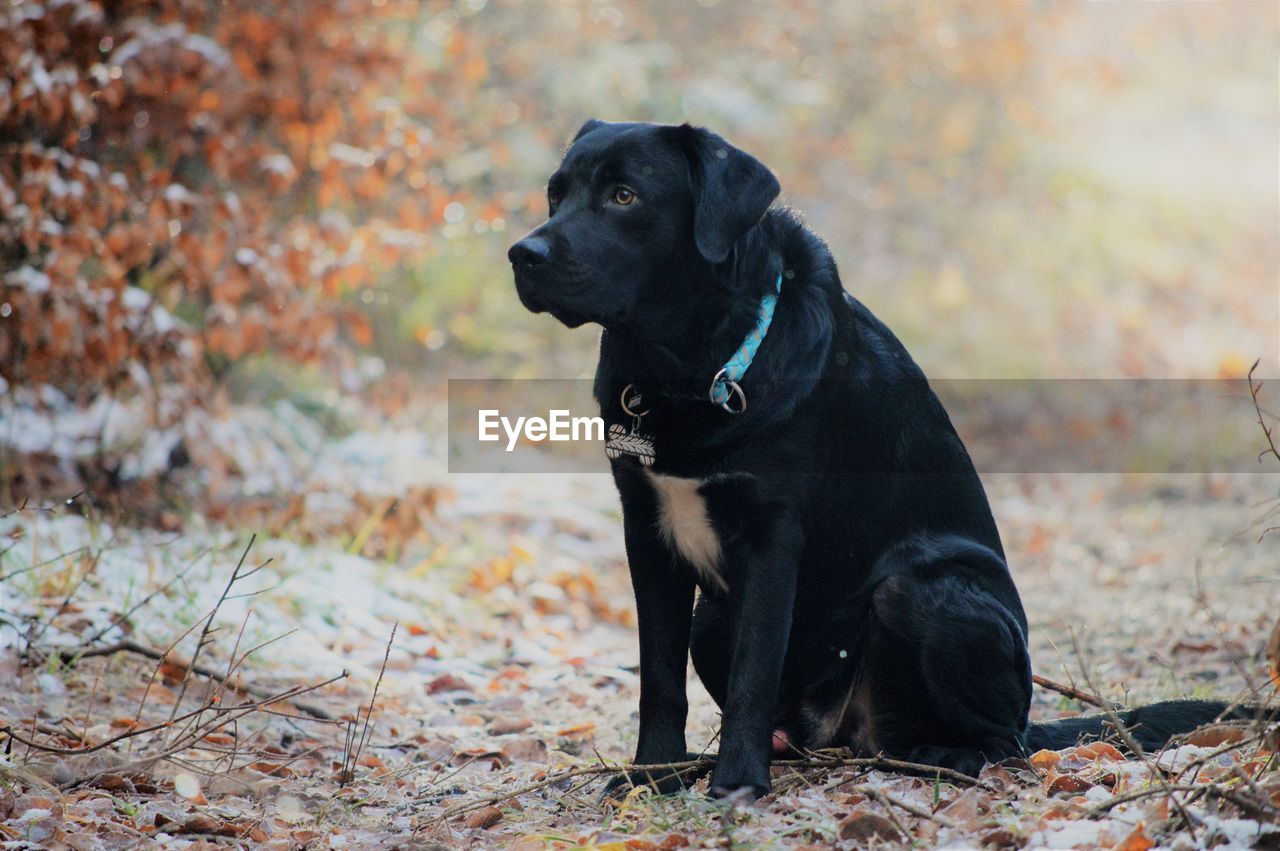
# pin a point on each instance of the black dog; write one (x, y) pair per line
(853, 588)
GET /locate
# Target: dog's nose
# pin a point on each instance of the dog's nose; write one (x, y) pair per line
(530, 251)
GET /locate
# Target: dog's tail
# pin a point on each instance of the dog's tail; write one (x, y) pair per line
(1150, 726)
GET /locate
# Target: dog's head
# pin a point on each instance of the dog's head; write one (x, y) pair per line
(636, 211)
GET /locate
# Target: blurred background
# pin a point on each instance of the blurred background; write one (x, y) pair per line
(209, 193)
(244, 244)
(226, 225)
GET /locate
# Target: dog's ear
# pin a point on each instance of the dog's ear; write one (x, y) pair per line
(592, 124)
(732, 190)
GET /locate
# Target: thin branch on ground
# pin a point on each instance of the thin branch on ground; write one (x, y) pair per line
(1073, 692)
(1153, 766)
(1255, 388)
(123, 617)
(128, 645)
(1255, 808)
(1202, 600)
(211, 706)
(820, 761)
(25, 505)
(44, 625)
(223, 717)
(208, 623)
(30, 567)
(1204, 759)
(347, 774)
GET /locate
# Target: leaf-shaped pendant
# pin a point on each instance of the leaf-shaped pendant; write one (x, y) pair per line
(622, 442)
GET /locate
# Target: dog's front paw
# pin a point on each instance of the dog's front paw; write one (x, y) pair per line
(739, 796)
(740, 787)
(741, 775)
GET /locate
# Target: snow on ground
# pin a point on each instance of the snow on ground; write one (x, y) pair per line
(515, 657)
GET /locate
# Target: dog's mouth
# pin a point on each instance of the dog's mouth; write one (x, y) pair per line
(529, 295)
(542, 296)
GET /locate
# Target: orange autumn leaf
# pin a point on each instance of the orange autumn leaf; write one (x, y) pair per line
(1097, 750)
(1136, 840)
(272, 769)
(578, 730)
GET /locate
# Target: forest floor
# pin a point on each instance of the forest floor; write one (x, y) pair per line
(369, 652)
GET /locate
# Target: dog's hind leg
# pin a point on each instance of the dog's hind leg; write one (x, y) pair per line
(949, 670)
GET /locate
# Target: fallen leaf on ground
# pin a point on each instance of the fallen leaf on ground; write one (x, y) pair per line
(487, 817)
(862, 827)
(507, 726)
(1136, 840)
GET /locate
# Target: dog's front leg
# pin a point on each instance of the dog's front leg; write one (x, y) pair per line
(761, 595)
(664, 609)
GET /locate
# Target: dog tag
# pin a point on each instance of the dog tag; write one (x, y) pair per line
(621, 442)
(633, 443)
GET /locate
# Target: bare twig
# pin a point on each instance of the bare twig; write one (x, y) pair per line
(1254, 390)
(128, 645)
(888, 800)
(1215, 753)
(123, 617)
(165, 725)
(1072, 692)
(30, 567)
(39, 633)
(1153, 767)
(25, 505)
(223, 716)
(155, 672)
(821, 762)
(1255, 808)
(348, 770)
(208, 623)
(832, 759)
(1202, 600)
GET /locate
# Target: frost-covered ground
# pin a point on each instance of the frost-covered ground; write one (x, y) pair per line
(514, 660)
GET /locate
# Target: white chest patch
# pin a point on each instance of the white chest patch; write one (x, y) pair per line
(684, 525)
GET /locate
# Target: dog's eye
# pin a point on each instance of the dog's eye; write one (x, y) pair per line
(553, 198)
(623, 195)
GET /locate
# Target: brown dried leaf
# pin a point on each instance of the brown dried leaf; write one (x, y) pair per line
(485, 818)
(272, 769)
(507, 725)
(524, 749)
(1057, 783)
(863, 826)
(447, 682)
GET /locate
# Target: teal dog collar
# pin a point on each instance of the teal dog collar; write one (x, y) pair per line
(724, 387)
